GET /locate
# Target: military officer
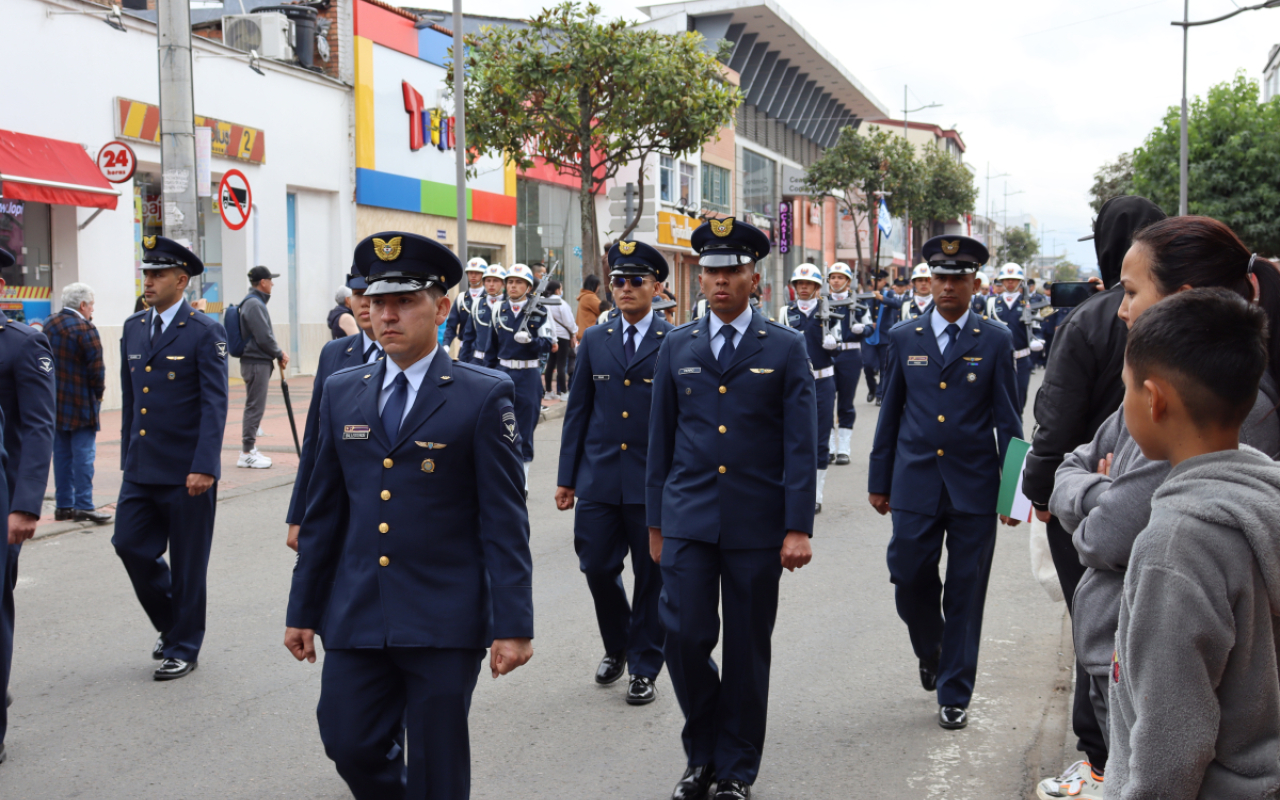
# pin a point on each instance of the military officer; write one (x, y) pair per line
(411, 575)
(337, 355)
(730, 501)
(459, 316)
(921, 298)
(521, 341)
(981, 295)
(27, 397)
(173, 373)
(1007, 307)
(485, 352)
(603, 449)
(936, 465)
(822, 340)
(848, 360)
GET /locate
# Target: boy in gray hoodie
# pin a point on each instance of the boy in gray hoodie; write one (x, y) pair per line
(1195, 689)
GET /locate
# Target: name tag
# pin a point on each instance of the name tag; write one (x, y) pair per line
(133, 356)
(355, 431)
(690, 370)
(600, 377)
(917, 361)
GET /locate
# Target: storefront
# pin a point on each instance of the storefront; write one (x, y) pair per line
(25, 231)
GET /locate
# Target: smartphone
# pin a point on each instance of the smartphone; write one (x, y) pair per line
(1069, 294)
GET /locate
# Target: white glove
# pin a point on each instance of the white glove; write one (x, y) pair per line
(1036, 345)
(523, 337)
(829, 342)
(858, 327)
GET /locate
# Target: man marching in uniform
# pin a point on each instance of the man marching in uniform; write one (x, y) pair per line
(480, 323)
(411, 575)
(936, 465)
(520, 342)
(822, 341)
(173, 373)
(730, 502)
(848, 360)
(603, 450)
(1007, 307)
(458, 325)
(921, 299)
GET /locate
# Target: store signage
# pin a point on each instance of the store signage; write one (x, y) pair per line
(117, 162)
(784, 228)
(426, 125)
(140, 122)
(676, 229)
(793, 181)
(235, 199)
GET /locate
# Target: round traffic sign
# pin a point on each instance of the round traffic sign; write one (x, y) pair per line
(235, 199)
(117, 162)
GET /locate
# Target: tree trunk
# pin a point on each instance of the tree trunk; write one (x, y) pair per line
(586, 192)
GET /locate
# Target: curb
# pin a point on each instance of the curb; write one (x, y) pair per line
(1053, 731)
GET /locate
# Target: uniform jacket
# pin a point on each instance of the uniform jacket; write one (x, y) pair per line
(811, 328)
(938, 415)
(458, 325)
(337, 355)
(912, 311)
(886, 311)
(27, 400)
(609, 408)
(481, 325)
(731, 456)
(176, 392)
(458, 572)
(1012, 318)
(508, 323)
(77, 361)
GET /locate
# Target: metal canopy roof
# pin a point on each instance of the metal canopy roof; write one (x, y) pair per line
(784, 71)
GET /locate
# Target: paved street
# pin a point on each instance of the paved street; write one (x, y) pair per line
(848, 717)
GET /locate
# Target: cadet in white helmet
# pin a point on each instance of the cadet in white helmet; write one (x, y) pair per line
(921, 299)
(465, 305)
(847, 360)
(1007, 307)
(480, 323)
(522, 340)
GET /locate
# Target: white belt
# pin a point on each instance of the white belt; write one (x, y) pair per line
(825, 372)
(851, 346)
(477, 354)
(518, 364)
(1022, 353)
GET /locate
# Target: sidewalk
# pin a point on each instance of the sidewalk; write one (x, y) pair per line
(277, 444)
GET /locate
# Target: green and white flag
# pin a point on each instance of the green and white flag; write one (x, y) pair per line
(1013, 503)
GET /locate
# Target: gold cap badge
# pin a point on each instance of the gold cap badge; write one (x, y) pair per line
(149, 242)
(721, 227)
(387, 251)
(951, 248)
(626, 248)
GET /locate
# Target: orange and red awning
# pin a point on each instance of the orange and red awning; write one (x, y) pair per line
(51, 171)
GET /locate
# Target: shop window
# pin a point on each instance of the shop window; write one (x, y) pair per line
(715, 188)
(26, 231)
(549, 230)
(758, 184)
(667, 179)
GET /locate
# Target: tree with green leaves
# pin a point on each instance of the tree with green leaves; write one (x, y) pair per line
(589, 95)
(1019, 245)
(1233, 158)
(1066, 271)
(858, 166)
(944, 190)
(1113, 179)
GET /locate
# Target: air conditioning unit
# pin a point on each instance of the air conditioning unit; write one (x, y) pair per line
(270, 34)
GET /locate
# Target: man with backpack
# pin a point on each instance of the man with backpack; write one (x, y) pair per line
(260, 350)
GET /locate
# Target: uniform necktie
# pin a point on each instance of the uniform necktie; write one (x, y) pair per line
(953, 331)
(726, 350)
(629, 347)
(155, 332)
(393, 411)
(373, 346)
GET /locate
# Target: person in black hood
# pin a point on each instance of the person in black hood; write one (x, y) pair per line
(1081, 388)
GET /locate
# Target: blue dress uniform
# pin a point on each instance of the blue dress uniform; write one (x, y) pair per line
(1010, 313)
(521, 361)
(604, 446)
(174, 412)
(484, 346)
(27, 398)
(403, 568)
(848, 364)
(936, 458)
(458, 325)
(731, 470)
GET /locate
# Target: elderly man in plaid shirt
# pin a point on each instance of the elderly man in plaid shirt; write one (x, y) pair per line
(81, 379)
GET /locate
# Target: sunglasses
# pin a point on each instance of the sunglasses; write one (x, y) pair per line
(635, 280)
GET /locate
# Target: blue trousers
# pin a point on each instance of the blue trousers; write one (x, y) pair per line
(603, 535)
(73, 453)
(825, 389)
(528, 405)
(369, 698)
(870, 364)
(848, 371)
(1024, 381)
(946, 619)
(150, 519)
(724, 717)
(9, 574)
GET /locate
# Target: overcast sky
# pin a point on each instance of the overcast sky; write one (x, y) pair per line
(1045, 91)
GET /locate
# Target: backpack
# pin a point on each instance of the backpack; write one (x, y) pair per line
(231, 321)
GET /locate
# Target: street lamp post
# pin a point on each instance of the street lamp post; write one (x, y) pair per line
(906, 209)
(989, 241)
(1186, 24)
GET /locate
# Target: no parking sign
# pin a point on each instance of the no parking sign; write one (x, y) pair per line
(235, 199)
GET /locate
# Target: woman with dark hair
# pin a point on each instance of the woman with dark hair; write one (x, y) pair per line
(1102, 491)
(588, 302)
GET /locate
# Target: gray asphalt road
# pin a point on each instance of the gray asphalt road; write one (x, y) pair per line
(848, 717)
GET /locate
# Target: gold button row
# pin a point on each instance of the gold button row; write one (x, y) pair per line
(386, 495)
(723, 470)
(383, 528)
(724, 389)
(384, 561)
(625, 415)
(627, 382)
(942, 385)
(941, 453)
(723, 429)
(387, 463)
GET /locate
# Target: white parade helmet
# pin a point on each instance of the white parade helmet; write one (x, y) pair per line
(807, 272)
(986, 281)
(521, 271)
(1010, 272)
(921, 271)
(495, 271)
(476, 264)
(839, 268)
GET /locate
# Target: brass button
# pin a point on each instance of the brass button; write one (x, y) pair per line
(142, 433)
(386, 462)
(144, 411)
(386, 495)
(624, 445)
(384, 561)
(146, 389)
(722, 470)
(148, 369)
(723, 389)
(942, 385)
(723, 429)
(627, 382)
(940, 453)
(941, 418)
(383, 528)
(625, 415)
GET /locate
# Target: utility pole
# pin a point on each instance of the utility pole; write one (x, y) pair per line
(1182, 145)
(906, 207)
(177, 124)
(460, 121)
(990, 238)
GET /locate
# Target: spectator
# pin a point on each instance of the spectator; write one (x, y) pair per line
(562, 357)
(260, 350)
(80, 377)
(588, 302)
(539, 272)
(341, 322)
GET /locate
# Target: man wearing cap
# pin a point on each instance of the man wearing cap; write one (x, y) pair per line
(402, 569)
(848, 360)
(920, 300)
(730, 502)
(603, 449)
(935, 464)
(480, 323)
(257, 363)
(1007, 307)
(521, 339)
(173, 375)
(460, 315)
(27, 413)
(337, 355)
(885, 311)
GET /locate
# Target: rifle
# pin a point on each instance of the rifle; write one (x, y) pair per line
(538, 299)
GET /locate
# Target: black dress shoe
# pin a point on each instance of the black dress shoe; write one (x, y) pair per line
(841, 459)
(63, 514)
(611, 668)
(695, 784)
(8, 699)
(157, 649)
(929, 673)
(641, 692)
(90, 515)
(879, 401)
(3, 754)
(174, 668)
(871, 396)
(817, 508)
(953, 718)
(733, 790)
